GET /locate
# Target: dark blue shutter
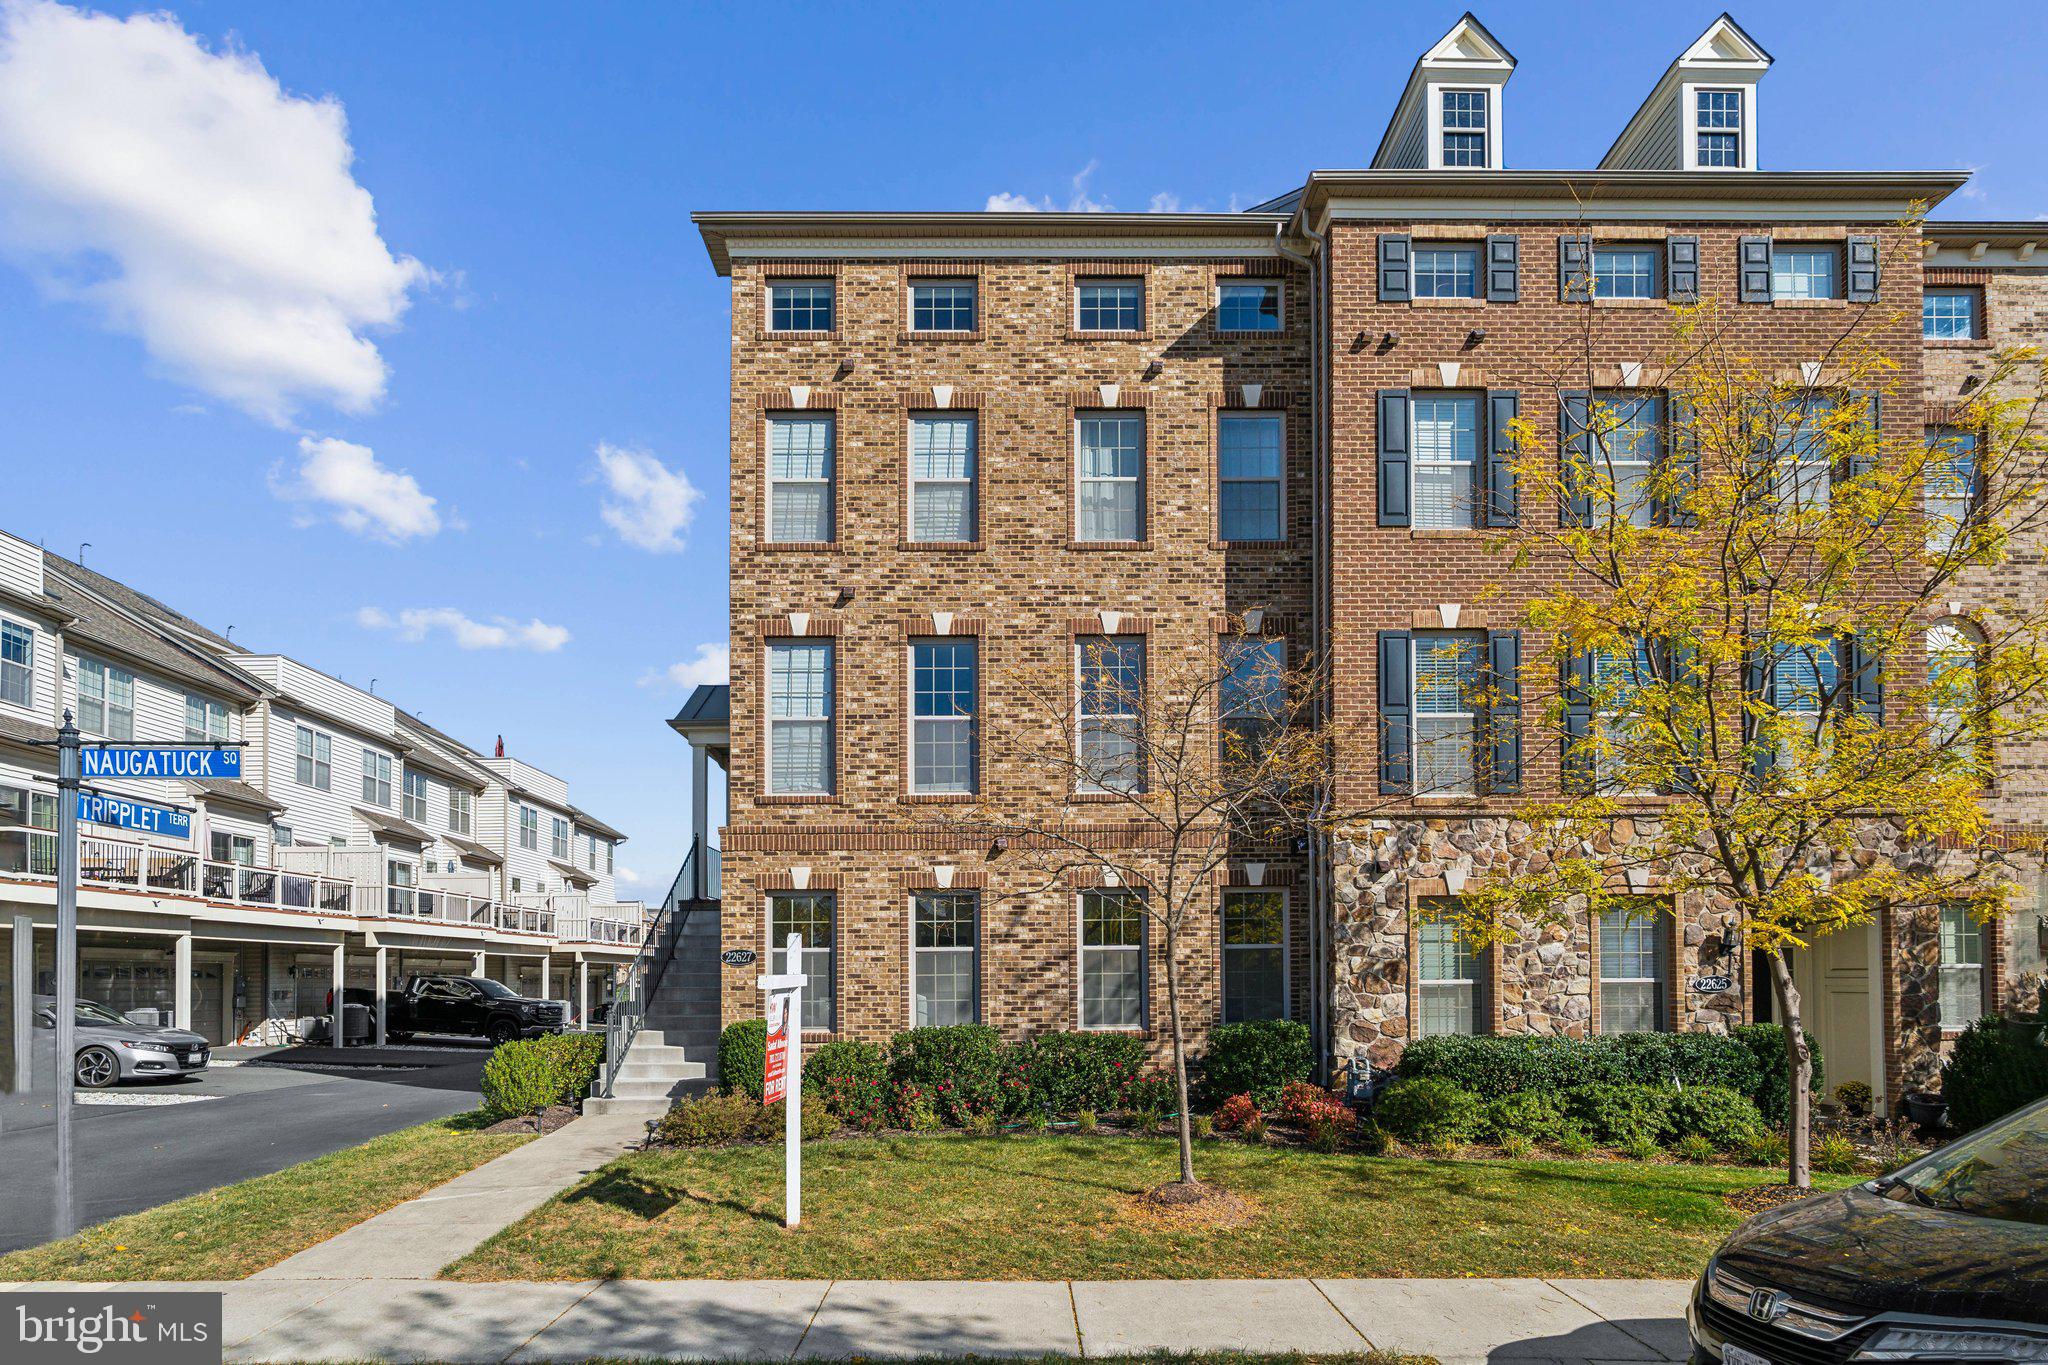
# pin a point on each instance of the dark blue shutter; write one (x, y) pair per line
(1576, 686)
(1393, 474)
(1682, 464)
(1755, 266)
(1863, 267)
(1863, 672)
(1396, 267)
(1503, 268)
(1682, 269)
(1863, 460)
(1575, 454)
(1574, 267)
(1397, 710)
(1681, 663)
(1757, 684)
(1504, 718)
(1503, 505)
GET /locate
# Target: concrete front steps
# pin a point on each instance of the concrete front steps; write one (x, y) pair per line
(675, 1053)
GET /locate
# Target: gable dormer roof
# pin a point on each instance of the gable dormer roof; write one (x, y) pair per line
(1467, 55)
(1659, 135)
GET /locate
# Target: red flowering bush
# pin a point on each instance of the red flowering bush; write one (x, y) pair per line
(1299, 1101)
(1234, 1113)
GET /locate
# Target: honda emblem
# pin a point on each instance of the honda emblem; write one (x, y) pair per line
(1765, 1305)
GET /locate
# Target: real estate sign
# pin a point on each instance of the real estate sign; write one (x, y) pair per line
(775, 1078)
(783, 1071)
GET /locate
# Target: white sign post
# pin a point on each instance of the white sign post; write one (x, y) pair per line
(783, 1068)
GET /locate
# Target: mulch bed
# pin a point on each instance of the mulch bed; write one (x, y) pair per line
(1174, 1205)
(546, 1121)
(1758, 1198)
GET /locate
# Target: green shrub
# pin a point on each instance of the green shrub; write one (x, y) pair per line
(1064, 1073)
(1530, 1115)
(1370, 1138)
(960, 1066)
(709, 1120)
(985, 1124)
(1085, 1122)
(1257, 1058)
(527, 1075)
(1997, 1065)
(1427, 1110)
(1764, 1149)
(743, 1057)
(1694, 1148)
(769, 1122)
(1640, 1148)
(1491, 1067)
(1574, 1140)
(1514, 1146)
(1712, 1113)
(1773, 1089)
(1834, 1154)
(1619, 1115)
(851, 1080)
(1201, 1125)
(1854, 1096)
(1254, 1129)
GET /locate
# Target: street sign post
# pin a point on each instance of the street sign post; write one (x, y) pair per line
(783, 1069)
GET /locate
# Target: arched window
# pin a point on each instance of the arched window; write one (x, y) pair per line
(1953, 647)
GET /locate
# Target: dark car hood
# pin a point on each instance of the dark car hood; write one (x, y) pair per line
(1859, 1249)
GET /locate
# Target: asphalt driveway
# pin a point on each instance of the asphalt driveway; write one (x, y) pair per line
(143, 1144)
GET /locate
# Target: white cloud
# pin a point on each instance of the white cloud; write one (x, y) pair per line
(626, 875)
(415, 624)
(647, 503)
(1166, 202)
(197, 205)
(713, 665)
(358, 492)
(1078, 200)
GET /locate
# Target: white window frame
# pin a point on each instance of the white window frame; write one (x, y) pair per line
(826, 719)
(969, 484)
(1264, 702)
(313, 758)
(1973, 315)
(920, 723)
(1637, 922)
(1445, 132)
(1083, 949)
(1082, 480)
(461, 811)
(1464, 507)
(376, 779)
(1958, 929)
(1947, 511)
(1803, 476)
(1804, 702)
(1801, 283)
(1107, 722)
(558, 838)
(1455, 275)
(414, 793)
(1609, 718)
(282, 836)
(1652, 287)
(813, 283)
(529, 828)
(1952, 644)
(1462, 954)
(208, 710)
(1267, 289)
(967, 283)
(18, 676)
(1607, 451)
(829, 481)
(1284, 945)
(922, 955)
(1262, 419)
(821, 993)
(1695, 130)
(108, 718)
(1135, 283)
(1467, 712)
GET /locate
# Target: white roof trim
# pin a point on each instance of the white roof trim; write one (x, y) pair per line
(1467, 46)
(1258, 242)
(1724, 45)
(1567, 210)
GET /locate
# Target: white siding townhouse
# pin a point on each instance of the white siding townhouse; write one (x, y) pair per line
(362, 844)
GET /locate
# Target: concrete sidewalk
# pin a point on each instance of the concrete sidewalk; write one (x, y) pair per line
(1461, 1322)
(415, 1239)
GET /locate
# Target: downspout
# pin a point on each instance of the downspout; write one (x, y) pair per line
(1320, 897)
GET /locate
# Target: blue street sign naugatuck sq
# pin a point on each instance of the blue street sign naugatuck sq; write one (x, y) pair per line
(160, 761)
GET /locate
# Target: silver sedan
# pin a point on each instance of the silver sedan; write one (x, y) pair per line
(110, 1048)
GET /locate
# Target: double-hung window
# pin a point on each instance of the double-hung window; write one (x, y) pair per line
(1631, 972)
(17, 664)
(1950, 485)
(942, 306)
(1446, 443)
(1718, 128)
(529, 828)
(1446, 712)
(1617, 675)
(232, 848)
(1949, 314)
(800, 306)
(800, 484)
(1802, 683)
(1109, 733)
(942, 711)
(1952, 700)
(106, 700)
(1248, 306)
(1802, 479)
(809, 913)
(1254, 955)
(942, 460)
(1253, 690)
(1447, 976)
(1805, 272)
(315, 753)
(1625, 272)
(1447, 272)
(1249, 459)
(415, 800)
(1112, 960)
(1116, 305)
(461, 809)
(800, 690)
(1961, 998)
(376, 778)
(558, 838)
(1464, 128)
(1627, 442)
(1109, 452)
(204, 720)
(944, 977)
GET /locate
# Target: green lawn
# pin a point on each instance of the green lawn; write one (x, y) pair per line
(231, 1232)
(1062, 1208)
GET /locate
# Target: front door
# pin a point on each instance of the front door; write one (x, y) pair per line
(1837, 986)
(210, 1002)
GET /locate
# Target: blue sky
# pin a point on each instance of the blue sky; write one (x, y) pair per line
(239, 441)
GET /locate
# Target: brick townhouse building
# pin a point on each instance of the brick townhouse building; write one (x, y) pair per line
(969, 446)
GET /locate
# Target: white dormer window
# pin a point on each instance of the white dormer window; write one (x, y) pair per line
(1719, 128)
(1465, 128)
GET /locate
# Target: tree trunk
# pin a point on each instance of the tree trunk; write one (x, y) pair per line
(1180, 1067)
(1799, 1059)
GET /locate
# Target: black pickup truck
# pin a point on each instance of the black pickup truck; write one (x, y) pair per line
(473, 1006)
